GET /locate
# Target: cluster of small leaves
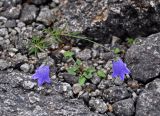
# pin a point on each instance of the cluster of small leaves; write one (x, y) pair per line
(37, 45)
(130, 41)
(78, 69)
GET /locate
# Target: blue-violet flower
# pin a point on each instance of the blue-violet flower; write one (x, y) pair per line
(42, 74)
(119, 69)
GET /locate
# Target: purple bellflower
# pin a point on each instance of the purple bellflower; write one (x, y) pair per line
(42, 75)
(119, 69)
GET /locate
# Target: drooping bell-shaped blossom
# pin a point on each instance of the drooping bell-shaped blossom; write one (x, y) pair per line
(119, 69)
(42, 75)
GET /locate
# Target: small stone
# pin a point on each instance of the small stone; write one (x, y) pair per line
(65, 89)
(4, 64)
(104, 84)
(89, 87)
(10, 23)
(85, 54)
(96, 93)
(29, 13)
(25, 67)
(71, 79)
(98, 104)
(116, 93)
(118, 81)
(29, 85)
(3, 32)
(42, 55)
(124, 107)
(39, 2)
(107, 56)
(95, 80)
(77, 88)
(46, 16)
(85, 97)
(21, 24)
(12, 12)
(33, 97)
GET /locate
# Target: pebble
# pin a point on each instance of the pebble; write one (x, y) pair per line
(77, 88)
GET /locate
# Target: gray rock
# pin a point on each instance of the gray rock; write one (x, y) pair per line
(154, 85)
(42, 55)
(85, 54)
(148, 103)
(65, 89)
(10, 23)
(76, 88)
(107, 56)
(28, 85)
(95, 80)
(98, 104)
(17, 102)
(143, 58)
(12, 12)
(46, 16)
(7, 3)
(105, 84)
(4, 64)
(39, 2)
(124, 107)
(3, 32)
(71, 79)
(118, 81)
(116, 93)
(29, 13)
(25, 67)
(85, 96)
(96, 93)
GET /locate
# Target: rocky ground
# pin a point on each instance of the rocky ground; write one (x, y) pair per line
(107, 21)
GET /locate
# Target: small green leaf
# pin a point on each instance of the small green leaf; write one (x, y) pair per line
(72, 70)
(78, 62)
(68, 54)
(101, 73)
(116, 50)
(82, 80)
(130, 41)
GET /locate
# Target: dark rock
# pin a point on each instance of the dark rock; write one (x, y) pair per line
(95, 80)
(76, 88)
(122, 18)
(10, 23)
(124, 107)
(148, 104)
(39, 2)
(98, 104)
(7, 3)
(107, 56)
(143, 58)
(85, 54)
(116, 93)
(85, 97)
(11, 12)
(46, 16)
(148, 100)
(4, 64)
(29, 13)
(105, 84)
(71, 79)
(14, 101)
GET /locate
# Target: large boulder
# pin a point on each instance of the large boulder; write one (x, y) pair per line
(148, 100)
(101, 18)
(143, 58)
(19, 96)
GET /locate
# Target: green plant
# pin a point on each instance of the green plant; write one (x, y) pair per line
(117, 50)
(101, 74)
(68, 54)
(59, 34)
(37, 45)
(130, 41)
